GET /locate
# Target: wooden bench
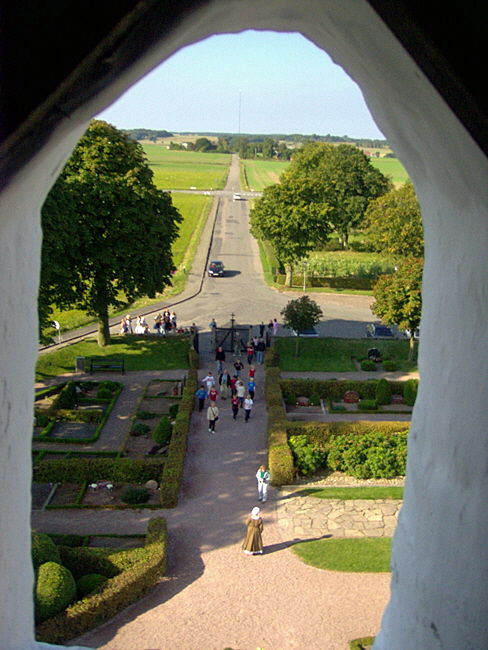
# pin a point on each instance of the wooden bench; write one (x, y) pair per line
(106, 363)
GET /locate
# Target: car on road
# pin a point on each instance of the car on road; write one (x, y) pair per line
(379, 331)
(310, 333)
(237, 197)
(216, 269)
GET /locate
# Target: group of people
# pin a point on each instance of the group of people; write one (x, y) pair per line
(163, 323)
(141, 327)
(241, 396)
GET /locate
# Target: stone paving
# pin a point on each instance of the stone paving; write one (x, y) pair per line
(308, 517)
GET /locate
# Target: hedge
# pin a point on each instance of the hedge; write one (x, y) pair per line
(280, 459)
(336, 388)
(321, 432)
(173, 467)
(79, 470)
(115, 595)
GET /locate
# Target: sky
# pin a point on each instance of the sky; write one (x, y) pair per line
(252, 82)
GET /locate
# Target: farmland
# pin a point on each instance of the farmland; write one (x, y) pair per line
(183, 170)
(393, 168)
(261, 173)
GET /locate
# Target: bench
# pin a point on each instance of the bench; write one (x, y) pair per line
(105, 363)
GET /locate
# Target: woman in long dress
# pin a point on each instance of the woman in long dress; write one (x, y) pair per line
(253, 543)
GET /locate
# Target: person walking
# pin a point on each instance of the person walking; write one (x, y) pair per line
(247, 407)
(201, 396)
(252, 372)
(275, 327)
(238, 365)
(224, 383)
(209, 381)
(260, 350)
(251, 387)
(253, 542)
(234, 403)
(240, 391)
(264, 478)
(249, 352)
(212, 417)
(213, 395)
(219, 358)
(233, 381)
(262, 327)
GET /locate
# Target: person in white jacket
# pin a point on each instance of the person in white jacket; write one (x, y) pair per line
(264, 478)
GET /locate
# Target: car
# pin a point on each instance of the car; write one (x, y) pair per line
(379, 331)
(237, 197)
(416, 334)
(216, 269)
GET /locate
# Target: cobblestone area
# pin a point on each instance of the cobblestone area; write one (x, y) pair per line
(310, 517)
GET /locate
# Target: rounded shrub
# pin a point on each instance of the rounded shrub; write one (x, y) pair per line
(67, 397)
(291, 399)
(108, 383)
(367, 365)
(134, 495)
(86, 584)
(383, 392)
(72, 540)
(308, 457)
(314, 400)
(104, 392)
(390, 366)
(55, 590)
(162, 433)
(173, 411)
(368, 405)
(410, 391)
(145, 415)
(139, 429)
(43, 550)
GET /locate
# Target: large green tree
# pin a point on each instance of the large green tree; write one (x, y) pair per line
(342, 178)
(300, 315)
(393, 223)
(107, 229)
(398, 297)
(288, 216)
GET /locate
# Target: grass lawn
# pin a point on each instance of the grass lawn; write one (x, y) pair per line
(334, 355)
(348, 493)
(391, 167)
(182, 170)
(261, 173)
(139, 353)
(367, 555)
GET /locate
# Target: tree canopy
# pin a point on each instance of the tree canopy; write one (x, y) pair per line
(398, 297)
(107, 229)
(288, 216)
(300, 315)
(342, 178)
(393, 223)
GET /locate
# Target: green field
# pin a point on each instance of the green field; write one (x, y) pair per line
(393, 168)
(261, 173)
(368, 555)
(182, 170)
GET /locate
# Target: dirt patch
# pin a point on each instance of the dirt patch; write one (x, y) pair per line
(65, 494)
(160, 406)
(102, 496)
(40, 493)
(328, 477)
(72, 430)
(305, 410)
(137, 447)
(160, 388)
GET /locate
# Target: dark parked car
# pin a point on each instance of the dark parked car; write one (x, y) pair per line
(379, 331)
(216, 269)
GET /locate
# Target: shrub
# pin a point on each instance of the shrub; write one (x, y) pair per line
(162, 432)
(43, 550)
(410, 391)
(173, 411)
(291, 399)
(308, 457)
(86, 584)
(368, 405)
(383, 392)
(145, 415)
(139, 429)
(71, 540)
(367, 365)
(55, 590)
(108, 383)
(104, 393)
(42, 418)
(314, 400)
(372, 455)
(67, 397)
(134, 495)
(390, 366)
(193, 359)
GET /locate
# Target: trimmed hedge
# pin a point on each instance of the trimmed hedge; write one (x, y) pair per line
(336, 388)
(321, 432)
(173, 467)
(115, 595)
(280, 459)
(79, 470)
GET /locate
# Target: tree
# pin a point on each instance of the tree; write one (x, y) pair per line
(342, 178)
(288, 217)
(393, 223)
(398, 298)
(204, 145)
(107, 229)
(300, 315)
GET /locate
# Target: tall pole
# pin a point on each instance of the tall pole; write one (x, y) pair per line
(240, 91)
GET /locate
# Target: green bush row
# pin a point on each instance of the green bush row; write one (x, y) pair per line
(90, 470)
(344, 282)
(173, 467)
(336, 389)
(280, 459)
(114, 595)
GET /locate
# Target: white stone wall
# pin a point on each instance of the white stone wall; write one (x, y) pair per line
(439, 580)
